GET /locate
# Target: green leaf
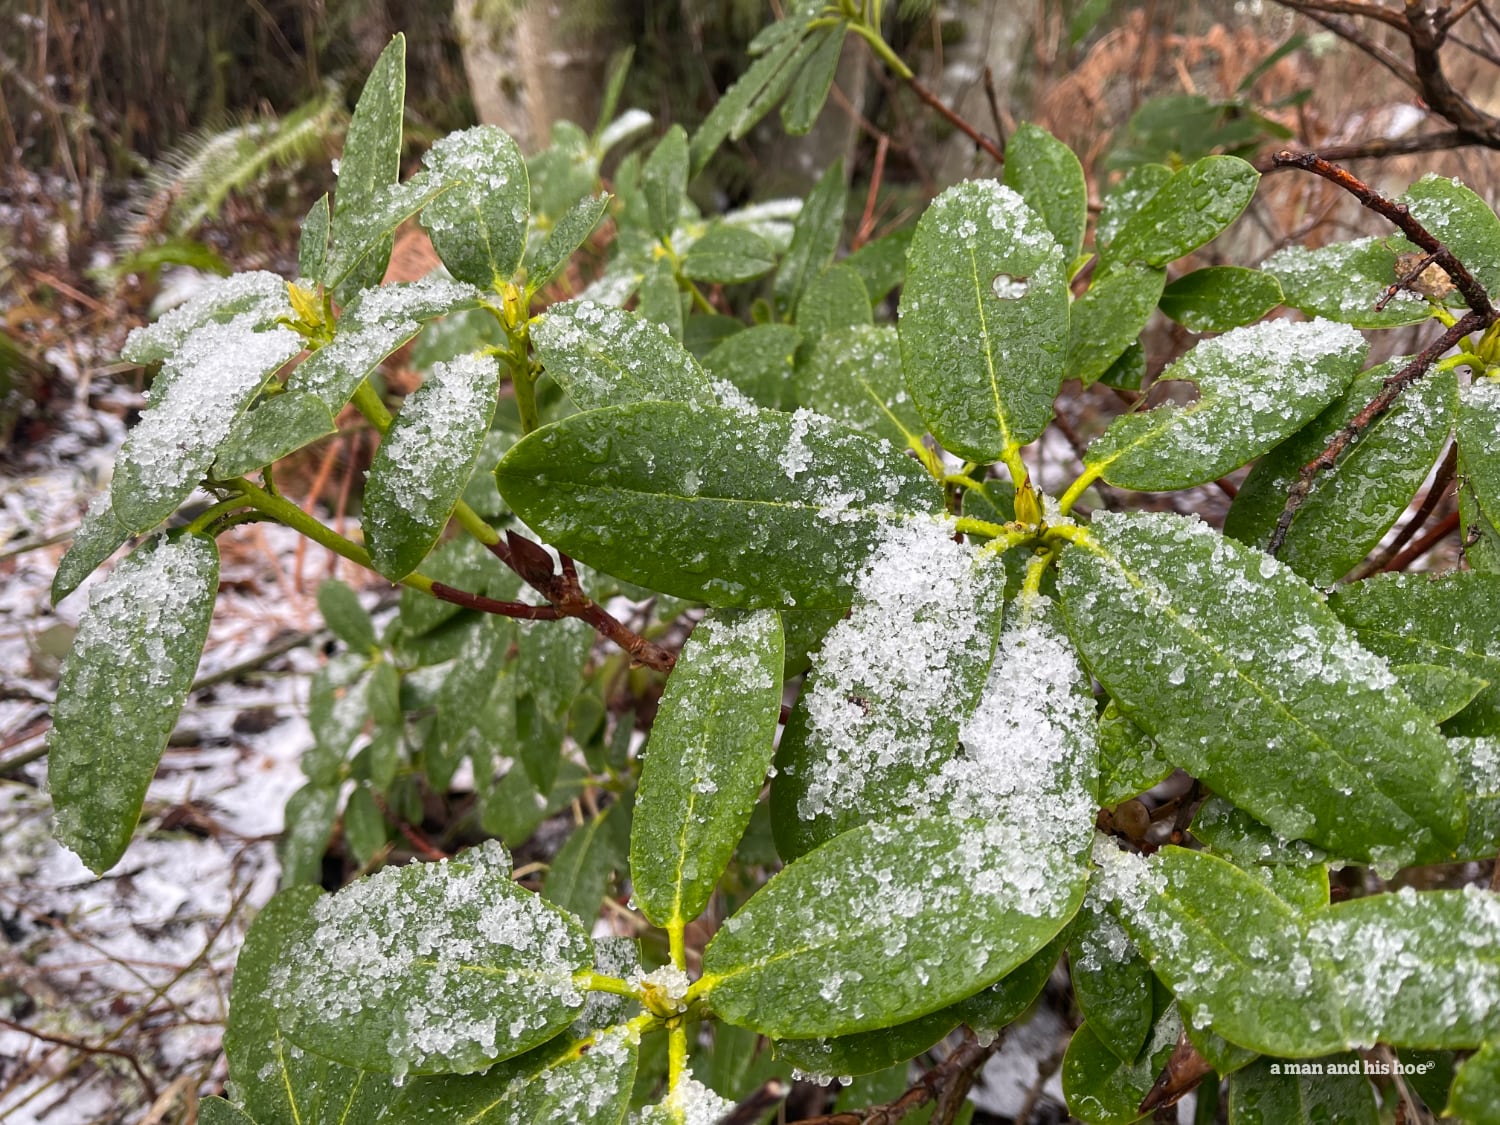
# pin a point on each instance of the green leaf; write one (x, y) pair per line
(759, 361)
(279, 426)
(664, 178)
(580, 872)
(369, 233)
(930, 910)
(1275, 1092)
(365, 829)
(312, 249)
(511, 808)
(1409, 969)
(1353, 504)
(342, 613)
(310, 815)
(752, 95)
(425, 460)
(371, 162)
(1129, 762)
(876, 730)
(1481, 526)
(216, 1111)
(1111, 981)
(1108, 319)
(588, 1080)
(728, 254)
(710, 748)
(815, 239)
(1475, 1097)
(660, 299)
(604, 356)
(259, 293)
(98, 536)
(1440, 692)
(471, 678)
(1461, 221)
(1245, 841)
(278, 1082)
(209, 381)
(881, 264)
(122, 686)
(1479, 766)
(1103, 1090)
(835, 299)
(1218, 298)
(1184, 627)
(432, 968)
(1256, 386)
(810, 88)
(478, 226)
(375, 323)
(1189, 210)
(1129, 371)
(1452, 620)
(465, 564)
(1345, 280)
(1049, 177)
(1225, 1057)
(338, 707)
(571, 231)
(733, 508)
(1478, 434)
(1132, 193)
(854, 376)
(984, 321)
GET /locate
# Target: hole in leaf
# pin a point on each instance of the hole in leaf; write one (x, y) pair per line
(1009, 288)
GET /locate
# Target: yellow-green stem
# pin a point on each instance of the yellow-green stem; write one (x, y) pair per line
(883, 50)
(1011, 455)
(676, 1053)
(368, 403)
(224, 507)
(677, 942)
(1090, 474)
(284, 511)
(595, 982)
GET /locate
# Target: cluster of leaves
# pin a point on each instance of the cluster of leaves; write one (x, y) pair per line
(788, 484)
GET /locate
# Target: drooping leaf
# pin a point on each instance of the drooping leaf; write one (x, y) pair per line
(1187, 211)
(815, 239)
(587, 1080)
(570, 232)
(1452, 620)
(1475, 1096)
(854, 376)
(1408, 969)
(277, 1081)
(371, 162)
(660, 298)
(603, 356)
(1478, 435)
(478, 226)
(365, 828)
(1245, 841)
(279, 426)
(310, 816)
(710, 748)
(734, 508)
(759, 361)
(1256, 386)
(809, 90)
(752, 95)
(984, 320)
(122, 687)
(1353, 504)
(1333, 1089)
(1111, 981)
(932, 909)
(432, 968)
(1218, 298)
(338, 708)
(98, 536)
(422, 466)
(342, 613)
(471, 679)
(1344, 281)
(205, 385)
(728, 254)
(1479, 765)
(1049, 177)
(1184, 627)
(1109, 317)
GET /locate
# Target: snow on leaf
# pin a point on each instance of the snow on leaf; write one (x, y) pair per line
(603, 356)
(259, 293)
